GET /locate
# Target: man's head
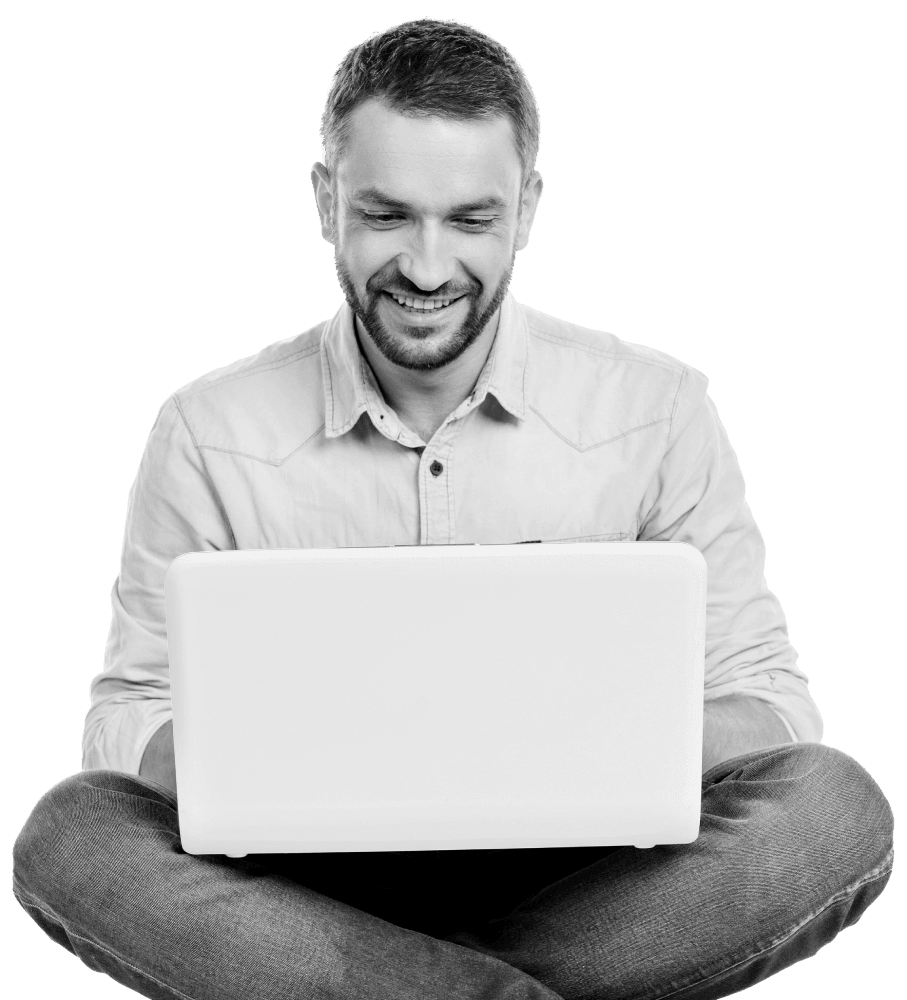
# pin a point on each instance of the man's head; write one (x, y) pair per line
(429, 186)
(433, 69)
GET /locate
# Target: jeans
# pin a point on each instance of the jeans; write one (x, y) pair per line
(795, 843)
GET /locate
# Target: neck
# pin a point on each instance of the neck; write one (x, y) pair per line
(424, 399)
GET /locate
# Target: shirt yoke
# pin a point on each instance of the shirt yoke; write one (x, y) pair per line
(264, 407)
(591, 388)
(587, 386)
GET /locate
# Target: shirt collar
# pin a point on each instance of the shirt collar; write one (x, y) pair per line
(350, 388)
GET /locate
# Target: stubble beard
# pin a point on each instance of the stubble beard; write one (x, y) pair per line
(412, 350)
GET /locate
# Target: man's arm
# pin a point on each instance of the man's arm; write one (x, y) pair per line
(731, 726)
(173, 508)
(157, 761)
(735, 725)
(697, 496)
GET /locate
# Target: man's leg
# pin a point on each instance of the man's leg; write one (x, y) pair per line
(795, 843)
(435, 892)
(100, 868)
(639, 923)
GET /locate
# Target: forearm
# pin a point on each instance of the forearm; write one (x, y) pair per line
(158, 761)
(736, 725)
(731, 726)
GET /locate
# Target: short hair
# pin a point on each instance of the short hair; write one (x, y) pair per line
(433, 69)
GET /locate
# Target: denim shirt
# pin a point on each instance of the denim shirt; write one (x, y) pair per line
(569, 435)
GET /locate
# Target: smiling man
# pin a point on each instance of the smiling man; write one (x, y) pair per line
(426, 215)
(435, 409)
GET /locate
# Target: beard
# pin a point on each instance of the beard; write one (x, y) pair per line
(414, 349)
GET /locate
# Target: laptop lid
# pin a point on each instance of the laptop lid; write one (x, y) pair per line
(437, 697)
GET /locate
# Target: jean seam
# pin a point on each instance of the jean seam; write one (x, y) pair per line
(20, 891)
(881, 869)
(166, 794)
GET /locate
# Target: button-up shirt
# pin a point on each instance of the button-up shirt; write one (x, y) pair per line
(569, 435)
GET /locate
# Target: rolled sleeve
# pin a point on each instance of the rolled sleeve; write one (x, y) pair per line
(697, 497)
(173, 508)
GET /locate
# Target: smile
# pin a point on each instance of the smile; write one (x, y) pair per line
(413, 304)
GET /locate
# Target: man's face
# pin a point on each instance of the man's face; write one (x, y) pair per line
(426, 216)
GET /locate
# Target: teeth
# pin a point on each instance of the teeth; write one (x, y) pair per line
(426, 305)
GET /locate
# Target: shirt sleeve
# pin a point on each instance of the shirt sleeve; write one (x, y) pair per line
(173, 508)
(697, 496)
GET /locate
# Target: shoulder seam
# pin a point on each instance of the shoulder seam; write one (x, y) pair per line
(264, 366)
(211, 485)
(179, 410)
(603, 353)
(683, 375)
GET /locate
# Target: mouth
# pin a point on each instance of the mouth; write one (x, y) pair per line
(420, 307)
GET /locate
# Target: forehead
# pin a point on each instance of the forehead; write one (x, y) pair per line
(428, 159)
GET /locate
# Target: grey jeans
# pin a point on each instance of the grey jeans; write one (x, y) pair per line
(795, 843)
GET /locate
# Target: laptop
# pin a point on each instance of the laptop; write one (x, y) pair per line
(452, 697)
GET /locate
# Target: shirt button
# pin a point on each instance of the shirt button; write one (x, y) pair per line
(436, 468)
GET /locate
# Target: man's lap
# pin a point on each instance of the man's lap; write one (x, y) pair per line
(785, 832)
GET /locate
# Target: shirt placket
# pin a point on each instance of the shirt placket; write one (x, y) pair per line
(436, 503)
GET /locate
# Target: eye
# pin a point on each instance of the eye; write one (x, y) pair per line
(476, 224)
(381, 218)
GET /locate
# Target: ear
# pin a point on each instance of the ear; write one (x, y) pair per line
(532, 191)
(324, 199)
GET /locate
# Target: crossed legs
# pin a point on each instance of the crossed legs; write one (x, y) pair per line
(795, 843)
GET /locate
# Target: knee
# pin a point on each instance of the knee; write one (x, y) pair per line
(51, 848)
(859, 799)
(845, 805)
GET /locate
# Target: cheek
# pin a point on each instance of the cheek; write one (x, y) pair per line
(364, 255)
(490, 261)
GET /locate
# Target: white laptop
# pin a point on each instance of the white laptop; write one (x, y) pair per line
(437, 697)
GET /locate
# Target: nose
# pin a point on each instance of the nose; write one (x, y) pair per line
(428, 261)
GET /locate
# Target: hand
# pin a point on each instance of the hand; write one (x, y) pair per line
(158, 761)
(738, 724)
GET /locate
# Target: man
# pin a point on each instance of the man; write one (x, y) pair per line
(434, 409)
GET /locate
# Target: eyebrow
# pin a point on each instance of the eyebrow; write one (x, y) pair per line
(374, 196)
